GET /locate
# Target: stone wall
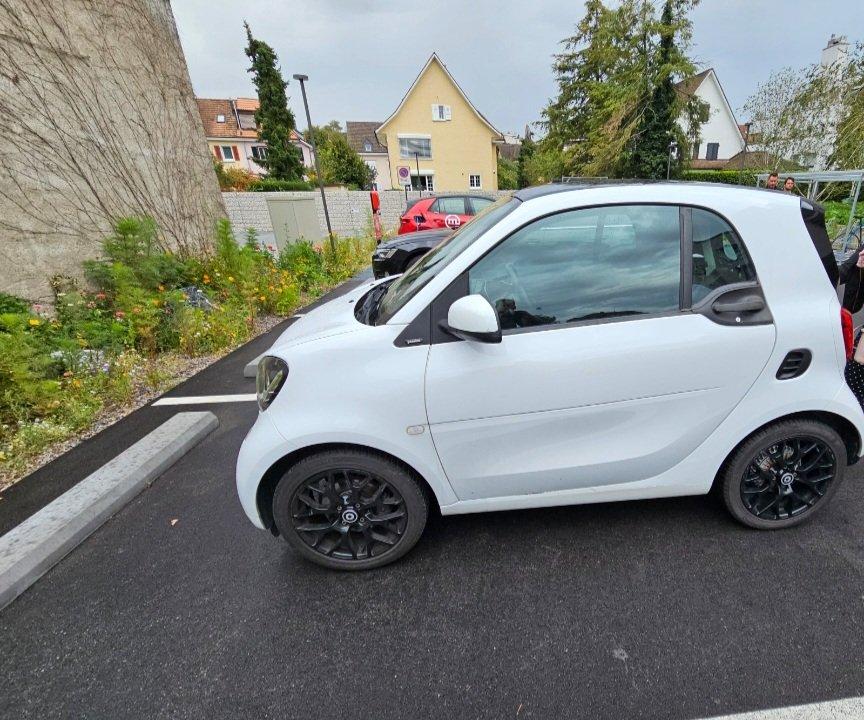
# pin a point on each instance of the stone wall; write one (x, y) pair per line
(98, 121)
(350, 211)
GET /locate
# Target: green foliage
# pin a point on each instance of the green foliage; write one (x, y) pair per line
(727, 177)
(275, 121)
(268, 184)
(523, 162)
(232, 178)
(849, 145)
(507, 172)
(142, 308)
(340, 164)
(615, 90)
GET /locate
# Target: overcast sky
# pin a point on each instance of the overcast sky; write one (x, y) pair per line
(362, 55)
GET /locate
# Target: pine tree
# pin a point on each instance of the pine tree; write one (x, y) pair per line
(525, 154)
(274, 119)
(650, 146)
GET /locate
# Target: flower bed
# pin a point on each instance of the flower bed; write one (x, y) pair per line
(126, 330)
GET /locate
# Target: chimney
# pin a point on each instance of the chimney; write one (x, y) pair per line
(835, 52)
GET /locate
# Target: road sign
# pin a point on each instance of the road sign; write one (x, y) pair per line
(404, 174)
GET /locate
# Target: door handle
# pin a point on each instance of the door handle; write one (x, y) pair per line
(750, 303)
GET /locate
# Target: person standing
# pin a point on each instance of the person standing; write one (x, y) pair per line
(789, 185)
(852, 279)
(773, 179)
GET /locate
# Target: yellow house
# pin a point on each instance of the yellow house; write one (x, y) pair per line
(437, 140)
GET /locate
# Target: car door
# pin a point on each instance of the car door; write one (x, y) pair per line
(477, 204)
(450, 211)
(605, 374)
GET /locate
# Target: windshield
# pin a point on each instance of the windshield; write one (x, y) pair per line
(407, 286)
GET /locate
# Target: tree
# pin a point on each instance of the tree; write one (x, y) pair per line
(649, 147)
(340, 164)
(523, 162)
(506, 174)
(275, 121)
(848, 151)
(616, 91)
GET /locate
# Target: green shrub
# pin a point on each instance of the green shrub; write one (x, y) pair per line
(727, 177)
(12, 304)
(304, 263)
(274, 185)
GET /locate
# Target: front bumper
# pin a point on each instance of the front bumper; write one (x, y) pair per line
(262, 447)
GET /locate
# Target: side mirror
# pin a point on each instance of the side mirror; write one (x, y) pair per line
(473, 318)
(419, 219)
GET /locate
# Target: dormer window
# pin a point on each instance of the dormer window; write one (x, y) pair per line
(367, 146)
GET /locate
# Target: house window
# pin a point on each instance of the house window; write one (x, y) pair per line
(410, 145)
(227, 153)
(259, 152)
(440, 113)
(474, 181)
(220, 118)
(367, 146)
(711, 153)
(246, 120)
(422, 182)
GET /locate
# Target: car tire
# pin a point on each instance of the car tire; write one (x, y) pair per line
(365, 488)
(768, 482)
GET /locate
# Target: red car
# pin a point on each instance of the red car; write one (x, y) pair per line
(431, 213)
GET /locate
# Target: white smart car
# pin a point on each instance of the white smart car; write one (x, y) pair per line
(570, 345)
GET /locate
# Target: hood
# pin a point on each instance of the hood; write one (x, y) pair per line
(335, 317)
(423, 237)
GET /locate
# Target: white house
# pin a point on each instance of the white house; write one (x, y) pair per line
(720, 138)
(362, 139)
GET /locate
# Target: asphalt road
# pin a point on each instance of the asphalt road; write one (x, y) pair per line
(662, 609)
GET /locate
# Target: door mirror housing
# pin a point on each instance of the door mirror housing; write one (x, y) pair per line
(418, 219)
(473, 318)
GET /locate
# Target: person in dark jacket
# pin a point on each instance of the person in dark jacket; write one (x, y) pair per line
(852, 279)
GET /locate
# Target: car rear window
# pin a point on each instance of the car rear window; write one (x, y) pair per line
(449, 206)
(813, 215)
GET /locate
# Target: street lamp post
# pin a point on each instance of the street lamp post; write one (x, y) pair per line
(419, 181)
(302, 79)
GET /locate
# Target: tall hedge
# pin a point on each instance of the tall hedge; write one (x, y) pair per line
(728, 177)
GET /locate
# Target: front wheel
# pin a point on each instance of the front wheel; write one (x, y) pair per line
(350, 509)
(783, 474)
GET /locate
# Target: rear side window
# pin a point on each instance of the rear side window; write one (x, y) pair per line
(585, 264)
(450, 206)
(480, 203)
(719, 257)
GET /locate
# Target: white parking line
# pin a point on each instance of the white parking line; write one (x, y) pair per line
(205, 399)
(848, 709)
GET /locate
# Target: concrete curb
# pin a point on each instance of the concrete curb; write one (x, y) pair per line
(32, 548)
(251, 369)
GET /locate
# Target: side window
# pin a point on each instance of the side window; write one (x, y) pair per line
(480, 204)
(584, 265)
(450, 205)
(719, 258)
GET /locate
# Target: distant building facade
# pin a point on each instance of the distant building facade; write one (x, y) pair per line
(720, 137)
(363, 140)
(232, 134)
(437, 140)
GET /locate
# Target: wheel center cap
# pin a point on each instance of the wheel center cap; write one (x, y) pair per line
(786, 480)
(349, 516)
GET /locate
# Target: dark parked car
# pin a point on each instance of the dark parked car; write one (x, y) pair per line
(446, 211)
(396, 256)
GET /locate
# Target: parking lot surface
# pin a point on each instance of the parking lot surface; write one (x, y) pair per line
(179, 608)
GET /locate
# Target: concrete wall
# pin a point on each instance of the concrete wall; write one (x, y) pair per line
(350, 211)
(98, 121)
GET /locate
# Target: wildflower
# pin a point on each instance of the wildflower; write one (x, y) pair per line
(34, 322)
(136, 310)
(100, 296)
(206, 279)
(119, 314)
(76, 383)
(156, 302)
(91, 305)
(68, 373)
(161, 288)
(230, 278)
(262, 298)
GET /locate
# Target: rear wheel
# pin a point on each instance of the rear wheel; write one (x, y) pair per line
(350, 509)
(783, 474)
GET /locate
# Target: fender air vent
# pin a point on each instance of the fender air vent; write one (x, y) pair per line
(794, 364)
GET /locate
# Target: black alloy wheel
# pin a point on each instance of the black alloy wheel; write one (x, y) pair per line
(788, 478)
(350, 509)
(349, 514)
(781, 475)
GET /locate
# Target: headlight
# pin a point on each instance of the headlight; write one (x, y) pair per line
(384, 254)
(272, 372)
